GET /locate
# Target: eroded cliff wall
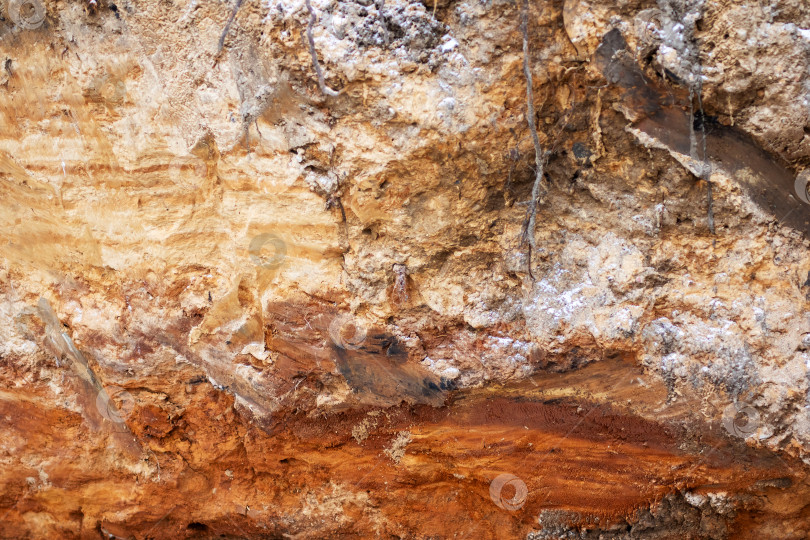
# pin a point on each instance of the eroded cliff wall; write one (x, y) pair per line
(234, 305)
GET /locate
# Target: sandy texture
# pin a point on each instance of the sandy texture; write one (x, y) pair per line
(233, 305)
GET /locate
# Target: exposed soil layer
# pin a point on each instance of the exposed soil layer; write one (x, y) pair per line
(233, 304)
(599, 457)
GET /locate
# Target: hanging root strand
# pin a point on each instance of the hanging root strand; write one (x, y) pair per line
(538, 189)
(321, 83)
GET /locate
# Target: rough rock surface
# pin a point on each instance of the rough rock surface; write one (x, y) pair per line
(233, 306)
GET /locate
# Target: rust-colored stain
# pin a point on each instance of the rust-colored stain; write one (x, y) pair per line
(575, 451)
(402, 454)
(342, 431)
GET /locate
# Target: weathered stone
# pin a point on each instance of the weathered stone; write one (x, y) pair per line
(232, 306)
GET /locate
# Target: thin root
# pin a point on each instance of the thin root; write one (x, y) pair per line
(321, 83)
(227, 29)
(539, 157)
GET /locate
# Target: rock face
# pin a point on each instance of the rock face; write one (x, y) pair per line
(233, 305)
